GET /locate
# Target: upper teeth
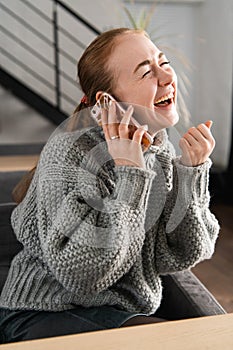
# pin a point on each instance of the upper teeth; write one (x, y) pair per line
(164, 98)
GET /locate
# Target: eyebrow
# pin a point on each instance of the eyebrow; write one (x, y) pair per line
(146, 62)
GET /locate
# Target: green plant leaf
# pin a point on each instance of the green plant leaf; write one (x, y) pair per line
(130, 17)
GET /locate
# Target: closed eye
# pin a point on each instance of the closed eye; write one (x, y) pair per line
(166, 62)
(148, 72)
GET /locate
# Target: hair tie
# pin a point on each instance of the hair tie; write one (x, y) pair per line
(84, 100)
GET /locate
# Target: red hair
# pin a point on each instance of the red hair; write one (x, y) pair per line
(93, 75)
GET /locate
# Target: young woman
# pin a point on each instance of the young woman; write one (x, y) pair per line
(105, 216)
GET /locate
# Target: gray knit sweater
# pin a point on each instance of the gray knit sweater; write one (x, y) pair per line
(95, 234)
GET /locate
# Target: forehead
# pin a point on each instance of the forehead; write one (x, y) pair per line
(130, 50)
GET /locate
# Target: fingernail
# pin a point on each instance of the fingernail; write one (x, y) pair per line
(130, 107)
(145, 127)
(209, 123)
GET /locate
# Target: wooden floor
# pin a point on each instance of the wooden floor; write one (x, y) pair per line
(217, 273)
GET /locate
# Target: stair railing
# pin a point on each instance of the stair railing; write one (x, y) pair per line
(53, 21)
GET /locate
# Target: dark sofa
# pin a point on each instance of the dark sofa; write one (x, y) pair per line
(183, 295)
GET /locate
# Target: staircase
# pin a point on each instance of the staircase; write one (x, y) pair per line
(38, 58)
(39, 48)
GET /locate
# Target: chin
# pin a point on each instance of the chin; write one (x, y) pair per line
(173, 118)
(166, 118)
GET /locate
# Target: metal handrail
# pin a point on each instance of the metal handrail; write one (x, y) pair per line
(71, 37)
(27, 47)
(58, 51)
(27, 69)
(78, 17)
(26, 24)
(36, 10)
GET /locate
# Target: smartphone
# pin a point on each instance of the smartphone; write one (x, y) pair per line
(104, 102)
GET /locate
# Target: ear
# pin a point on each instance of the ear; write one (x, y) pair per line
(98, 94)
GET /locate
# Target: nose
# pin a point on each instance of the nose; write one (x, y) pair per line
(165, 77)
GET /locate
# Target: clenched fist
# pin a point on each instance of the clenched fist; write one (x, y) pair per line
(197, 144)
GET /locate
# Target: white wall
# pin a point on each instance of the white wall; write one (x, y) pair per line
(201, 30)
(215, 73)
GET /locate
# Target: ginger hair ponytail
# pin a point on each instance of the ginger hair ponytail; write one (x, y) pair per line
(93, 75)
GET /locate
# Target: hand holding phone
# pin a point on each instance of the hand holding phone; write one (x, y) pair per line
(104, 102)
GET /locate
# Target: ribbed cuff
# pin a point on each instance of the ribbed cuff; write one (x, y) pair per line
(133, 185)
(194, 181)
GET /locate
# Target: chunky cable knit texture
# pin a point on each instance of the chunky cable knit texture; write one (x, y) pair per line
(95, 234)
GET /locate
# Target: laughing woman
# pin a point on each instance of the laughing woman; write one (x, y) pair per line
(110, 207)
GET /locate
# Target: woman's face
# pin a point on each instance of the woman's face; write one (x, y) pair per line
(144, 77)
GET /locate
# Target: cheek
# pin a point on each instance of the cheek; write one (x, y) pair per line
(174, 83)
(121, 91)
(147, 92)
(126, 93)
(135, 92)
(174, 77)
(143, 95)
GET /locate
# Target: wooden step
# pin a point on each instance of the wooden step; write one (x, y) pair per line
(18, 163)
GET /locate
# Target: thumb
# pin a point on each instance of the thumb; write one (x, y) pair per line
(209, 123)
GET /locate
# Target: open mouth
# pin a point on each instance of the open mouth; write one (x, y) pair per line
(165, 100)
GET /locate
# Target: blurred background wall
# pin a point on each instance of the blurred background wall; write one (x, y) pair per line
(201, 31)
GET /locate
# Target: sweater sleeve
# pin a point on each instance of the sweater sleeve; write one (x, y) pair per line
(187, 230)
(88, 241)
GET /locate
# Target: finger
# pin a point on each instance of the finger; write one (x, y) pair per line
(209, 123)
(190, 139)
(184, 145)
(123, 127)
(112, 120)
(193, 132)
(104, 120)
(104, 116)
(202, 133)
(137, 136)
(205, 131)
(126, 117)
